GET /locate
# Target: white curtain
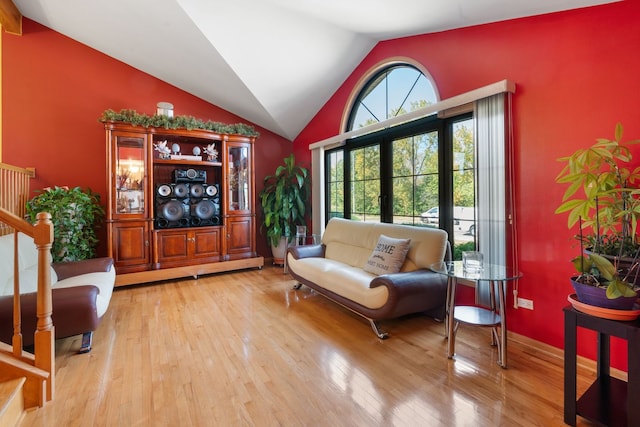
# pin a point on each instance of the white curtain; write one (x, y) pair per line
(317, 191)
(490, 178)
(493, 169)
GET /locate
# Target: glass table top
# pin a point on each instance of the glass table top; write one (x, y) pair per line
(487, 272)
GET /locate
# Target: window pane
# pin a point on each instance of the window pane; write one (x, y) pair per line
(375, 104)
(426, 189)
(335, 184)
(365, 184)
(393, 92)
(408, 90)
(415, 178)
(403, 200)
(464, 211)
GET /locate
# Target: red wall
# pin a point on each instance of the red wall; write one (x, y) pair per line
(577, 75)
(54, 91)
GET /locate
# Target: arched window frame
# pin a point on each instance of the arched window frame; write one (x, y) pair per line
(376, 70)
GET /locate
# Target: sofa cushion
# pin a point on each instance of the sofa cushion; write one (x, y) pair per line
(342, 279)
(352, 242)
(28, 281)
(388, 256)
(27, 262)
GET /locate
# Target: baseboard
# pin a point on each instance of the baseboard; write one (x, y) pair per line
(542, 350)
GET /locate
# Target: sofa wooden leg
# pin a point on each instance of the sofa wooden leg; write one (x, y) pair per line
(377, 331)
(87, 340)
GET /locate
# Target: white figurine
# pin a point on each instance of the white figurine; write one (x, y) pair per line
(211, 152)
(162, 148)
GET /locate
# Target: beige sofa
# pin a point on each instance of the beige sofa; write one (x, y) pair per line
(336, 269)
(80, 292)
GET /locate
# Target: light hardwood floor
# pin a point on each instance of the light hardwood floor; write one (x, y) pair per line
(245, 349)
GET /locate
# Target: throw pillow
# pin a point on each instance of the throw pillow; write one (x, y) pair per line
(388, 256)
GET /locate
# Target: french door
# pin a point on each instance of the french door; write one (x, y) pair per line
(423, 175)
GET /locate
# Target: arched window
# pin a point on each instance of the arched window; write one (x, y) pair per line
(395, 90)
(419, 173)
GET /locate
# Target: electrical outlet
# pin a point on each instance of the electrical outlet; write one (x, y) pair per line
(525, 303)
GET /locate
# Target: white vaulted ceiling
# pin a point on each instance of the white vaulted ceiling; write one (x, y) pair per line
(272, 62)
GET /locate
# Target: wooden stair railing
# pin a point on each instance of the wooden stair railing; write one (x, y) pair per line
(38, 368)
(14, 191)
(44, 346)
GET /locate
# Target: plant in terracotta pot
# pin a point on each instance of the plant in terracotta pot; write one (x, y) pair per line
(284, 200)
(75, 214)
(603, 196)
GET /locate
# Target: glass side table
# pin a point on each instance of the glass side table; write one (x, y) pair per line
(494, 316)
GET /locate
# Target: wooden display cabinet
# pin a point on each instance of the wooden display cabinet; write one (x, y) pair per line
(238, 205)
(128, 212)
(173, 209)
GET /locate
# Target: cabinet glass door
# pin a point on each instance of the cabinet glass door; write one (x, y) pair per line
(239, 178)
(130, 175)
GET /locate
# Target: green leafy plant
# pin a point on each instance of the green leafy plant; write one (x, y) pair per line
(284, 200)
(596, 270)
(463, 247)
(75, 215)
(177, 122)
(603, 195)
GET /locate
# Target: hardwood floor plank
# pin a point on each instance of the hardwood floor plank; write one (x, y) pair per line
(245, 349)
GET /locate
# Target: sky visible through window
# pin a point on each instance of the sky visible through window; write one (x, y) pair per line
(396, 91)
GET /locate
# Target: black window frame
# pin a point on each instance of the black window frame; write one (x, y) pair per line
(385, 137)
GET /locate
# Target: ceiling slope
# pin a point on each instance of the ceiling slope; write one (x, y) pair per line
(272, 62)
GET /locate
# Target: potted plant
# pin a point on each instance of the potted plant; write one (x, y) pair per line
(599, 282)
(284, 200)
(603, 196)
(75, 215)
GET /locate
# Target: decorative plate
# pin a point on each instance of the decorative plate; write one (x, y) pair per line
(605, 313)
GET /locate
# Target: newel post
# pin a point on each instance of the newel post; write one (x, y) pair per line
(45, 333)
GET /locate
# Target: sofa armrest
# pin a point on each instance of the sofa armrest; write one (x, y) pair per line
(409, 290)
(74, 313)
(75, 268)
(307, 251)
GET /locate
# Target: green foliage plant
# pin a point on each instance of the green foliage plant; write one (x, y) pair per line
(603, 195)
(463, 247)
(75, 214)
(178, 122)
(284, 200)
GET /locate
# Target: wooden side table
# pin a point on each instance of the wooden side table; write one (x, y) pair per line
(608, 401)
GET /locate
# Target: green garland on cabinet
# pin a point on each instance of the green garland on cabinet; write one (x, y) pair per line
(178, 122)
